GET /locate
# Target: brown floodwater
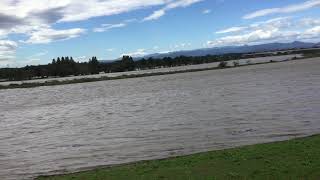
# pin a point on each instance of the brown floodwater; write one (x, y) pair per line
(48, 130)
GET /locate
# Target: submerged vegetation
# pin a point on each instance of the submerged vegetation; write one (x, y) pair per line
(294, 159)
(222, 65)
(67, 66)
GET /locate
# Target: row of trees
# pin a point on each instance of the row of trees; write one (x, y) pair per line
(128, 64)
(60, 67)
(66, 66)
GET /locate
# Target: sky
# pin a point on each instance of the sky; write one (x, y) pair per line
(34, 32)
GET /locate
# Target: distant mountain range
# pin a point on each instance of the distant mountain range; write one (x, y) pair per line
(234, 49)
(237, 49)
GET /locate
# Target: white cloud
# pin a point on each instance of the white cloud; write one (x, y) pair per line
(36, 19)
(3, 34)
(130, 20)
(7, 51)
(231, 30)
(7, 45)
(171, 5)
(314, 30)
(137, 53)
(83, 10)
(29, 16)
(45, 36)
(279, 29)
(71, 10)
(51, 11)
(206, 11)
(184, 45)
(249, 38)
(309, 22)
(180, 46)
(164, 52)
(155, 15)
(311, 33)
(282, 22)
(106, 27)
(288, 9)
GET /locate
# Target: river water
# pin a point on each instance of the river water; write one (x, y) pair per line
(48, 130)
(158, 70)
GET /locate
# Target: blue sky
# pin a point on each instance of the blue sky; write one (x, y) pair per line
(35, 31)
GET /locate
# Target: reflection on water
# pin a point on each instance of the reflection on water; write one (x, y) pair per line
(66, 128)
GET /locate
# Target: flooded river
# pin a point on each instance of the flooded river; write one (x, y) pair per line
(159, 70)
(58, 129)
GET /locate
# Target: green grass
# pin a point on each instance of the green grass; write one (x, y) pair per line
(294, 159)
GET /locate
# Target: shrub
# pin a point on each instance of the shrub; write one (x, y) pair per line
(223, 64)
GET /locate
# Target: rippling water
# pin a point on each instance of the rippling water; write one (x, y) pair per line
(66, 128)
(170, 69)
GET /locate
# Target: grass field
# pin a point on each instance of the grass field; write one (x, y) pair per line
(294, 159)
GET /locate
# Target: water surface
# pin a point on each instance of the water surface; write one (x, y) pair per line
(55, 129)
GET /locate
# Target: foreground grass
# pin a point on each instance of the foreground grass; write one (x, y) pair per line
(294, 159)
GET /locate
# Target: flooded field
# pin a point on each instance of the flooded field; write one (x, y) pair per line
(170, 69)
(58, 129)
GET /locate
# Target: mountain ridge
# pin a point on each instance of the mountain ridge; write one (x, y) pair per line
(236, 49)
(229, 49)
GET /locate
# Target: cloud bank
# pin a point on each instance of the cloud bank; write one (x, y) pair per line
(282, 29)
(171, 5)
(287, 9)
(36, 19)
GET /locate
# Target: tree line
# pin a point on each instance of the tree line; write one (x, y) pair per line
(67, 66)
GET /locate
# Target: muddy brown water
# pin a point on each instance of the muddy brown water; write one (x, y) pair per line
(67, 128)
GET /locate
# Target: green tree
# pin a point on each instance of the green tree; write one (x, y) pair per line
(127, 63)
(94, 65)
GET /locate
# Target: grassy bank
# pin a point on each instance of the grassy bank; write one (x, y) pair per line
(294, 159)
(85, 80)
